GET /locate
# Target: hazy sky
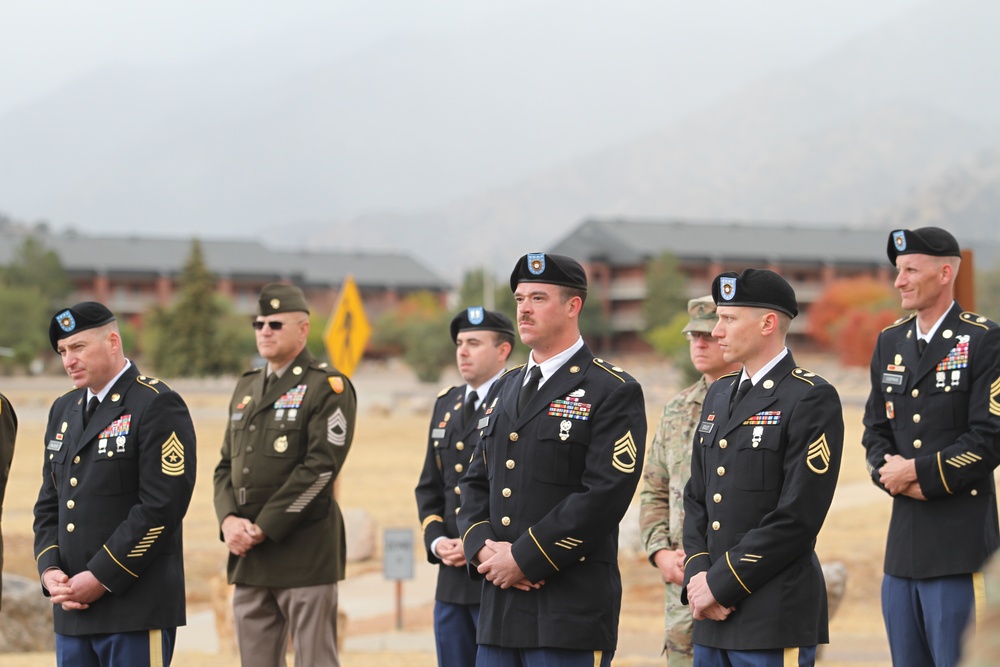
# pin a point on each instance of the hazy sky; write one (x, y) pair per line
(46, 43)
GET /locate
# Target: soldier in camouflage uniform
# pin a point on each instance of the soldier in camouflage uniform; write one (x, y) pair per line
(668, 467)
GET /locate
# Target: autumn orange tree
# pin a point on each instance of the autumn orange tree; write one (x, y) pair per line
(848, 316)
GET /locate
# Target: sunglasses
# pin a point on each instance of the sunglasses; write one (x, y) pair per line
(274, 326)
(699, 335)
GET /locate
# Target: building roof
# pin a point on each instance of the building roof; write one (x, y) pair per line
(629, 242)
(144, 256)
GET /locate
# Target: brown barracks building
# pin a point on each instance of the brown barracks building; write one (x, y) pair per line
(615, 251)
(131, 274)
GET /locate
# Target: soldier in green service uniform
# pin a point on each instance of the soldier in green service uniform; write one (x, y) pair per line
(290, 428)
(668, 466)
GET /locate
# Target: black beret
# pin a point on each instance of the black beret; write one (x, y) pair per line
(478, 318)
(538, 267)
(281, 298)
(756, 288)
(73, 320)
(924, 241)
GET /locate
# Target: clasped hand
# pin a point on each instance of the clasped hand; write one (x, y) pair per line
(497, 564)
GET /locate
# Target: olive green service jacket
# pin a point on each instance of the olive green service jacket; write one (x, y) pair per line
(281, 454)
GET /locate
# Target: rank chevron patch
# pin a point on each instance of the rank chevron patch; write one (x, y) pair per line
(336, 428)
(623, 458)
(172, 456)
(994, 394)
(818, 456)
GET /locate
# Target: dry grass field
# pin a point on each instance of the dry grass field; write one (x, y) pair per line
(380, 474)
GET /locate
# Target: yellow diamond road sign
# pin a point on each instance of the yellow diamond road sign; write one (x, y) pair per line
(348, 329)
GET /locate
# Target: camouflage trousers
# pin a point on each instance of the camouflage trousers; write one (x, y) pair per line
(677, 638)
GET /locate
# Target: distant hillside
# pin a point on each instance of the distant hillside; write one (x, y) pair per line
(835, 141)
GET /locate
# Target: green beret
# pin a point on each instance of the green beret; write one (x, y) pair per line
(281, 298)
(755, 288)
(73, 320)
(924, 241)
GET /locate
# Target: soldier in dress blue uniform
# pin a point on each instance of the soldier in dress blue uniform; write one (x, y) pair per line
(763, 472)
(118, 474)
(483, 341)
(932, 441)
(8, 432)
(557, 465)
(290, 428)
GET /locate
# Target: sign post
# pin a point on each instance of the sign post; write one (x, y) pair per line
(348, 330)
(397, 563)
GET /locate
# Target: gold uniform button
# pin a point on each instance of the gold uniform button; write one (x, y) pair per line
(459, 445)
(755, 444)
(505, 521)
(506, 493)
(721, 471)
(917, 444)
(974, 492)
(510, 464)
(76, 459)
(916, 418)
(723, 443)
(716, 525)
(458, 467)
(437, 444)
(70, 504)
(458, 491)
(110, 454)
(253, 427)
(513, 437)
(717, 497)
(51, 456)
(70, 527)
(457, 509)
(72, 481)
(915, 393)
(888, 390)
(947, 389)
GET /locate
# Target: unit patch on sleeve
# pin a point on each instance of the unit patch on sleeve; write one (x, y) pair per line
(624, 455)
(172, 456)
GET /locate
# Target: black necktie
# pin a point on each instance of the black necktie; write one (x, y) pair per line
(529, 388)
(269, 382)
(921, 346)
(91, 409)
(742, 391)
(469, 409)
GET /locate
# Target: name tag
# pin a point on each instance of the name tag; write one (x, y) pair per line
(54, 445)
(706, 427)
(236, 416)
(437, 433)
(892, 378)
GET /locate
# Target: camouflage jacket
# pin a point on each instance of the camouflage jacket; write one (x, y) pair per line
(668, 466)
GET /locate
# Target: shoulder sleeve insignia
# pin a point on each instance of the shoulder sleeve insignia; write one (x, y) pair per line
(172, 456)
(818, 456)
(624, 457)
(336, 383)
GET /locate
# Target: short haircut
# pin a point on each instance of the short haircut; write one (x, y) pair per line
(567, 293)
